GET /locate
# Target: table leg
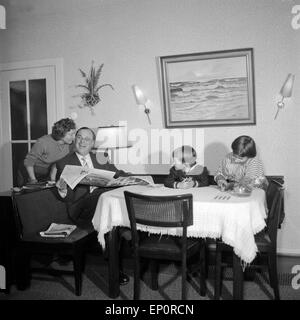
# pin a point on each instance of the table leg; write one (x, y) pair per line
(113, 263)
(238, 278)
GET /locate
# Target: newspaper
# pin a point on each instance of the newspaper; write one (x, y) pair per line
(74, 175)
(57, 230)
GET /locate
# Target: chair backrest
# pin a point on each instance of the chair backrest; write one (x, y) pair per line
(159, 211)
(275, 208)
(35, 211)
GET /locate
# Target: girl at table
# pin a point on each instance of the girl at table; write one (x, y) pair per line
(186, 172)
(241, 167)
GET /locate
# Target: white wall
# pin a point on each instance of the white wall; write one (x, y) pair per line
(128, 35)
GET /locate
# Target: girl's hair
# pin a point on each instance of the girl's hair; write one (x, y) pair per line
(244, 146)
(61, 127)
(186, 154)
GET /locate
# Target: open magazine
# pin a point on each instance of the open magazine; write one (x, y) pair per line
(58, 230)
(74, 175)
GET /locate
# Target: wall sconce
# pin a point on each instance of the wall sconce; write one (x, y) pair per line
(2, 17)
(285, 92)
(141, 100)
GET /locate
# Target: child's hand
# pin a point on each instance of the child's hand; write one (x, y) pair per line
(185, 184)
(222, 184)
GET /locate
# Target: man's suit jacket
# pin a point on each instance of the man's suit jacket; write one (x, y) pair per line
(80, 202)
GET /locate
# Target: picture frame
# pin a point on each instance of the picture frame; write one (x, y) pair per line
(208, 89)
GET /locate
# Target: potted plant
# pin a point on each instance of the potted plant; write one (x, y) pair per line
(90, 97)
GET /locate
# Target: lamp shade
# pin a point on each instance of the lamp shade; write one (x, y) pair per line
(287, 88)
(2, 17)
(139, 95)
(111, 137)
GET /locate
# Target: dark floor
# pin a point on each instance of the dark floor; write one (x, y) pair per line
(95, 284)
(97, 270)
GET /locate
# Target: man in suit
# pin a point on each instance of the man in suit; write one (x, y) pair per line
(83, 199)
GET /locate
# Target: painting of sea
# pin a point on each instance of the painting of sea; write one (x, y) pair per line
(208, 90)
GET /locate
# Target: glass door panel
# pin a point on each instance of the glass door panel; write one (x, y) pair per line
(17, 91)
(38, 108)
(19, 151)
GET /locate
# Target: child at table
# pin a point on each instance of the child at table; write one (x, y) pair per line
(186, 172)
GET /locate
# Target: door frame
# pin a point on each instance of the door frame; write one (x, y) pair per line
(57, 65)
(59, 80)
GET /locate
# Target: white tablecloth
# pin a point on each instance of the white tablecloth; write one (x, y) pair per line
(236, 220)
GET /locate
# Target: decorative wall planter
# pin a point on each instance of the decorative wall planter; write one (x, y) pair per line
(91, 96)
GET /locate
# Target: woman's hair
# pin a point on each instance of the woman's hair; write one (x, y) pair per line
(186, 154)
(61, 127)
(244, 146)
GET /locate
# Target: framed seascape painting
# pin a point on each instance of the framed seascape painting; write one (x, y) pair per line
(208, 89)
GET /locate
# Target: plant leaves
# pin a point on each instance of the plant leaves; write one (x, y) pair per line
(83, 86)
(82, 73)
(104, 85)
(91, 97)
(98, 74)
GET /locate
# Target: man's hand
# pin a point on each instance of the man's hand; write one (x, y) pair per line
(62, 187)
(61, 184)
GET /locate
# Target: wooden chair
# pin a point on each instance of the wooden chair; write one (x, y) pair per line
(34, 212)
(266, 241)
(163, 212)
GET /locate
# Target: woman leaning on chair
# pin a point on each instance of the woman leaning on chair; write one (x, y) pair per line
(39, 162)
(241, 167)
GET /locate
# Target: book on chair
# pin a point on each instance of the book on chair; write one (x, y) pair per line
(58, 230)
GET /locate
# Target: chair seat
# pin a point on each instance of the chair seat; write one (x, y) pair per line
(166, 247)
(76, 235)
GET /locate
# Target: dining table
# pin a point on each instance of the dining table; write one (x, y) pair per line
(233, 217)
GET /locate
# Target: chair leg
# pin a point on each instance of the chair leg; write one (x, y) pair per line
(22, 268)
(202, 279)
(249, 274)
(77, 262)
(238, 278)
(218, 273)
(136, 288)
(183, 279)
(206, 262)
(272, 267)
(112, 253)
(154, 267)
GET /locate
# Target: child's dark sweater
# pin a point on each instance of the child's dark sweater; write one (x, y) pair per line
(199, 176)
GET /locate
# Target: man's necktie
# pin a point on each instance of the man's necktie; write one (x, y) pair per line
(85, 165)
